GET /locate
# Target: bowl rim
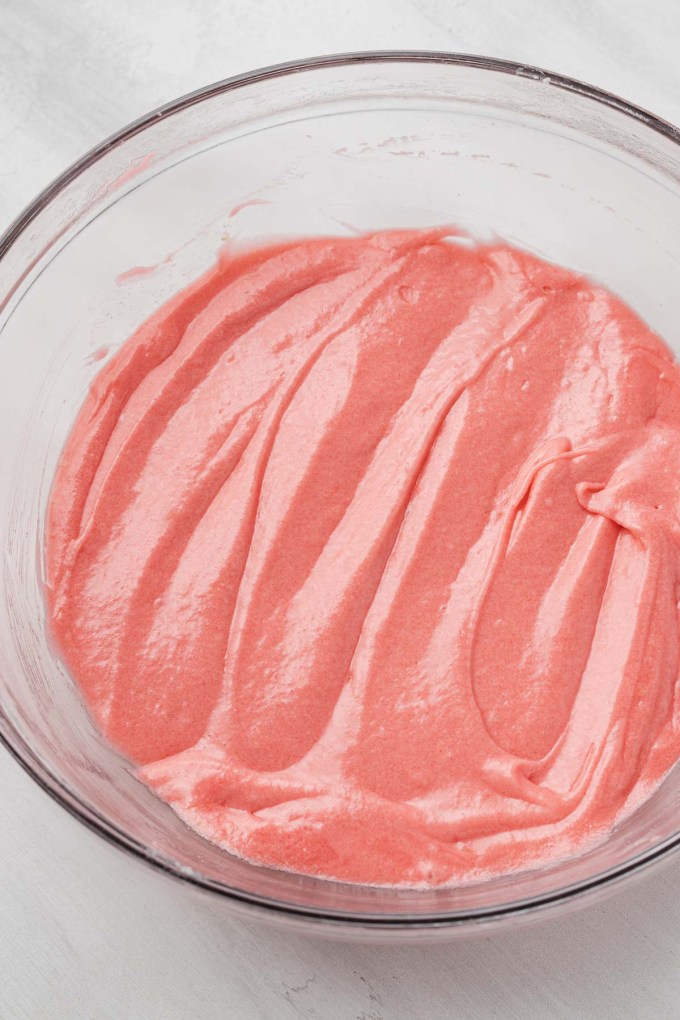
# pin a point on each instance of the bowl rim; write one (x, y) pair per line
(59, 791)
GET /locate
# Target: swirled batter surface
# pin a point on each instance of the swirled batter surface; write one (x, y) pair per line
(366, 552)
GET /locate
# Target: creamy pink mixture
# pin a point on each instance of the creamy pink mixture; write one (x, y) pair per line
(366, 552)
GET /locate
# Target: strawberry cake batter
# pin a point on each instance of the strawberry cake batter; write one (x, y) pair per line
(366, 552)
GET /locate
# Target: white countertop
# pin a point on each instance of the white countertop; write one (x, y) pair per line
(87, 932)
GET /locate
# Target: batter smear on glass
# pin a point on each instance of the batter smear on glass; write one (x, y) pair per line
(366, 553)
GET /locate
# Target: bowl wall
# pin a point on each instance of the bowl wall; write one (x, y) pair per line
(335, 146)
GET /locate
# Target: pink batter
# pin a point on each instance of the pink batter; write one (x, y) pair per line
(367, 553)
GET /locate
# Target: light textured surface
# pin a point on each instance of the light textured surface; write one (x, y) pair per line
(85, 932)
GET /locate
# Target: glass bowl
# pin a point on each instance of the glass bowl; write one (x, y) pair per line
(330, 145)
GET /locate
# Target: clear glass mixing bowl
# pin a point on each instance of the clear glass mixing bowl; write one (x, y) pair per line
(331, 145)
